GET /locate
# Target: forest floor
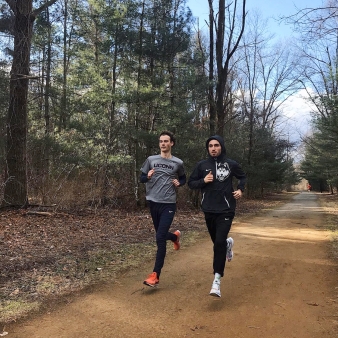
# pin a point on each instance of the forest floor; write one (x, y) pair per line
(80, 275)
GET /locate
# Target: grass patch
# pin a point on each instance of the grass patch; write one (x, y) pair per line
(10, 310)
(329, 203)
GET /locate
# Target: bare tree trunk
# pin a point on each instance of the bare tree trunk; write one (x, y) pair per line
(64, 108)
(222, 73)
(137, 109)
(15, 193)
(112, 108)
(48, 127)
(211, 98)
(224, 53)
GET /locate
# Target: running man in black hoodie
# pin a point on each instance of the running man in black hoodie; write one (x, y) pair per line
(214, 177)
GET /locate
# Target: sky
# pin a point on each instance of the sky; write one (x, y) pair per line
(296, 110)
(270, 9)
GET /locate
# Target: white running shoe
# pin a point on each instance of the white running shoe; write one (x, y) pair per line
(230, 253)
(215, 289)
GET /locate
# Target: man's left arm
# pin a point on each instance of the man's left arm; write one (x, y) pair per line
(182, 179)
(240, 175)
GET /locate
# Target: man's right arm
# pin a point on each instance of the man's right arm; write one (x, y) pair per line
(145, 171)
(195, 180)
(143, 178)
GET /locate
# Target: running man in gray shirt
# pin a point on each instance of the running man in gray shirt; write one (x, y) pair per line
(162, 174)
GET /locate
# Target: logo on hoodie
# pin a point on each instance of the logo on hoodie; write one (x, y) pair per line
(222, 172)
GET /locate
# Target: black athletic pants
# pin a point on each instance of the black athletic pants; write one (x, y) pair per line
(162, 215)
(218, 226)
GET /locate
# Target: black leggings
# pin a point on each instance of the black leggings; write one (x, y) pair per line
(162, 215)
(218, 226)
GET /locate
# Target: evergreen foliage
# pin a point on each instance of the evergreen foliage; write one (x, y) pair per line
(107, 77)
(319, 166)
(318, 50)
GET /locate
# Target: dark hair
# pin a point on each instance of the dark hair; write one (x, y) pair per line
(170, 134)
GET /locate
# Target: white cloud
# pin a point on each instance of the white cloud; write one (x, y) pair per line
(296, 116)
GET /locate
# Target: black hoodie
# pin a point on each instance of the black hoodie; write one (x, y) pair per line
(217, 196)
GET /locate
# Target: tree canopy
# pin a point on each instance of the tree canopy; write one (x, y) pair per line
(102, 78)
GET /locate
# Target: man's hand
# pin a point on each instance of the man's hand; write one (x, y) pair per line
(209, 178)
(150, 173)
(237, 194)
(176, 183)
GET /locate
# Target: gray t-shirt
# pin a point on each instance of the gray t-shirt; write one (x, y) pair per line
(160, 187)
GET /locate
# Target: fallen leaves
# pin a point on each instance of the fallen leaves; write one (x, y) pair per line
(51, 254)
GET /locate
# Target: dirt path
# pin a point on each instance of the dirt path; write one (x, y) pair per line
(281, 283)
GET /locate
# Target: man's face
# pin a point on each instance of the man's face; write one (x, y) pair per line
(214, 148)
(165, 143)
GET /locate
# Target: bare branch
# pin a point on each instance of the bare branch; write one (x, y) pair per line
(23, 76)
(37, 11)
(11, 4)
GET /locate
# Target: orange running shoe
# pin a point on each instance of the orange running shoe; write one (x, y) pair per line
(177, 243)
(152, 280)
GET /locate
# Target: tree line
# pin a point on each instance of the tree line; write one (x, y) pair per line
(319, 46)
(88, 85)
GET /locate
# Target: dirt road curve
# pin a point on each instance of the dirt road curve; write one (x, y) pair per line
(281, 283)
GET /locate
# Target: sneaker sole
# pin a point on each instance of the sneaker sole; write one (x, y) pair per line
(214, 294)
(151, 285)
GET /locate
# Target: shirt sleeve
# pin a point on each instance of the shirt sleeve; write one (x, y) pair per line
(144, 177)
(182, 179)
(195, 180)
(146, 166)
(240, 175)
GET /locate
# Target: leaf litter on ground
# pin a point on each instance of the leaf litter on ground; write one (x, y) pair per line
(46, 258)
